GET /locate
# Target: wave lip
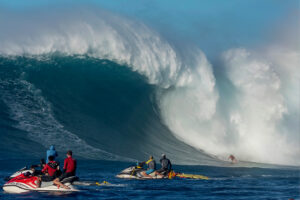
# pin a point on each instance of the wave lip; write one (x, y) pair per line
(97, 34)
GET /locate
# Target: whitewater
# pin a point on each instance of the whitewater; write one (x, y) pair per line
(114, 88)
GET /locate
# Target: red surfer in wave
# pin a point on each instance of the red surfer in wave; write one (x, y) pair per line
(233, 159)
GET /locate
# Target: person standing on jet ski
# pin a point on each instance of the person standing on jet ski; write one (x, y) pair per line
(51, 152)
(70, 165)
(151, 167)
(166, 166)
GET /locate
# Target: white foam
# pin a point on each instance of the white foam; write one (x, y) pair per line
(100, 35)
(256, 118)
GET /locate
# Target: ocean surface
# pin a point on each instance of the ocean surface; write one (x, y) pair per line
(225, 183)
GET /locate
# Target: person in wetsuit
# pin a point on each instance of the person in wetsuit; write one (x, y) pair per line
(40, 165)
(36, 172)
(51, 152)
(50, 171)
(151, 167)
(233, 159)
(166, 166)
(69, 169)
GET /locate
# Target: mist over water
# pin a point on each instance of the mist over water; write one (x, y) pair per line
(86, 74)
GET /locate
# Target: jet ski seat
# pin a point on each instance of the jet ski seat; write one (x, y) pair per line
(70, 179)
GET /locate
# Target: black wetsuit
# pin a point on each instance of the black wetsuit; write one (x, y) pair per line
(166, 166)
(152, 165)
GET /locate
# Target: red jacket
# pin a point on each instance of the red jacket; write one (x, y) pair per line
(47, 168)
(70, 165)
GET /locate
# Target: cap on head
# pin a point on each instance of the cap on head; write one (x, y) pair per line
(163, 155)
(69, 153)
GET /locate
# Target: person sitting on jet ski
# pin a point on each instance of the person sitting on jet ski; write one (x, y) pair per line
(41, 165)
(36, 172)
(166, 166)
(151, 167)
(51, 171)
(140, 165)
(69, 168)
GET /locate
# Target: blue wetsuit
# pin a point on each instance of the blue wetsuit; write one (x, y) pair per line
(51, 152)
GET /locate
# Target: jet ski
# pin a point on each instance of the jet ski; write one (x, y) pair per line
(23, 181)
(135, 172)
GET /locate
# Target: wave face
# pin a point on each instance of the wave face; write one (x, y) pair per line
(112, 88)
(99, 108)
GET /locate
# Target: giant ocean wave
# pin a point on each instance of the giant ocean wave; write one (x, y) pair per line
(112, 88)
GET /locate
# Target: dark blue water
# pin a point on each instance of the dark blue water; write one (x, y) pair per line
(225, 183)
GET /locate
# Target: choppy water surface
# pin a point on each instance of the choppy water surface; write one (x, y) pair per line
(225, 183)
